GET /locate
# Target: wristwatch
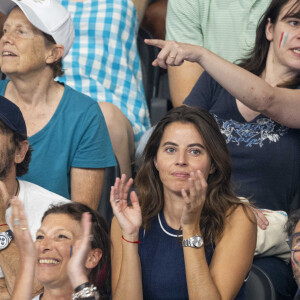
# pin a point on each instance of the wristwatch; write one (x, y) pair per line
(195, 241)
(5, 239)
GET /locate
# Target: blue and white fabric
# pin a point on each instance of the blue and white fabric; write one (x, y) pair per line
(104, 62)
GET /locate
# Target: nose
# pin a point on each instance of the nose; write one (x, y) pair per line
(44, 245)
(7, 37)
(181, 158)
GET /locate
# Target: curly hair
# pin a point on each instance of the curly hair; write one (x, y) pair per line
(16, 139)
(100, 275)
(220, 202)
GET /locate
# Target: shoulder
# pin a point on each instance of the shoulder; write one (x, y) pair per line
(241, 213)
(77, 105)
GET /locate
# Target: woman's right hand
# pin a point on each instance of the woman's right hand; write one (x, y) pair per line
(22, 236)
(129, 217)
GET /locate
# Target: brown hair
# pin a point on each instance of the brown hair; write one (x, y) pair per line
(255, 62)
(220, 201)
(100, 275)
(16, 138)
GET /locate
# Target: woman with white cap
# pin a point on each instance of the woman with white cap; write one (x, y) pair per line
(66, 129)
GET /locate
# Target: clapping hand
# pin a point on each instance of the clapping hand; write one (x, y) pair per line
(194, 199)
(129, 217)
(22, 235)
(76, 266)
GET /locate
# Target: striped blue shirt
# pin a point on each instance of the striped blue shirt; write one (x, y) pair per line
(104, 62)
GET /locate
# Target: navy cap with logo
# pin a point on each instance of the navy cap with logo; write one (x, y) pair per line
(12, 117)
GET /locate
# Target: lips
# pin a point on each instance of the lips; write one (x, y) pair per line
(296, 50)
(8, 53)
(183, 175)
(48, 261)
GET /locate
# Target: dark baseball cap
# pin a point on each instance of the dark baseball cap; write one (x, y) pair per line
(12, 117)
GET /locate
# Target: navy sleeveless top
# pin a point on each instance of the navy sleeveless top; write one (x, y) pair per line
(162, 262)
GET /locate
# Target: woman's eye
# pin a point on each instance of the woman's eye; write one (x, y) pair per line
(170, 150)
(294, 23)
(195, 151)
(62, 236)
(39, 237)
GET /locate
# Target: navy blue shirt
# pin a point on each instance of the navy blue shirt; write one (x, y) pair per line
(162, 261)
(264, 154)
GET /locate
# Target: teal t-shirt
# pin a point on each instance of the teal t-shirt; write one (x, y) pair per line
(75, 136)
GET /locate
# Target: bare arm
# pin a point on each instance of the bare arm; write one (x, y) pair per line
(126, 266)
(86, 186)
(140, 6)
(280, 104)
(232, 257)
(182, 79)
(25, 276)
(9, 257)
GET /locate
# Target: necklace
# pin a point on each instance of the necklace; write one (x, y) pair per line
(165, 231)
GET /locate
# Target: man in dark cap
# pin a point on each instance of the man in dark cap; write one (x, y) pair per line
(15, 154)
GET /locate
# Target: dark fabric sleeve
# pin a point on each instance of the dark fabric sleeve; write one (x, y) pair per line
(202, 93)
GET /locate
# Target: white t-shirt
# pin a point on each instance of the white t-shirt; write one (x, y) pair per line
(36, 200)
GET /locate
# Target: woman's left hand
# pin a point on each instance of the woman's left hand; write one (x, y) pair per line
(194, 200)
(174, 53)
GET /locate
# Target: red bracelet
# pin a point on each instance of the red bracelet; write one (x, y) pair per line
(3, 225)
(135, 242)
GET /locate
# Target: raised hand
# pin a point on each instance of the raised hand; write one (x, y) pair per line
(194, 199)
(21, 232)
(174, 53)
(76, 266)
(129, 217)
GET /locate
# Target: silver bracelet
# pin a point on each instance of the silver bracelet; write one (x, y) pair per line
(86, 292)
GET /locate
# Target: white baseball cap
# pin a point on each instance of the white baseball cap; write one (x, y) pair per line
(48, 16)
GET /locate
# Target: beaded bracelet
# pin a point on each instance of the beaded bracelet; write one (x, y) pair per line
(135, 242)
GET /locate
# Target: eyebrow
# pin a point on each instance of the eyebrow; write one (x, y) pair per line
(189, 145)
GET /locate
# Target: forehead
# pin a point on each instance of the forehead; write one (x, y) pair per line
(290, 9)
(182, 133)
(17, 17)
(60, 221)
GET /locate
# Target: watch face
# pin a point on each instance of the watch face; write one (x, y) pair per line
(197, 241)
(4, 241)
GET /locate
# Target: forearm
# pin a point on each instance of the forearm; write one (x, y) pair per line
(4, 295)
(24, 281)
(9, 262)
(250, 89)
(199, 280)
(182, 79)
(86, 186)
(129, 285)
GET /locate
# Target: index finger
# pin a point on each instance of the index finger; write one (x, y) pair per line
(155, 42)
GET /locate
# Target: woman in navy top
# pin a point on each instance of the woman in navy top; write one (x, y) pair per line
(191, 237)
(257, 107)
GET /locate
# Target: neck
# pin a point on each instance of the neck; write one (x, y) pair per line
(173, 207)
(31, 90)
(57, 293)
(275, 73)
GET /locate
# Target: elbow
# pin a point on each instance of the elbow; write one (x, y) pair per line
(266, 102)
